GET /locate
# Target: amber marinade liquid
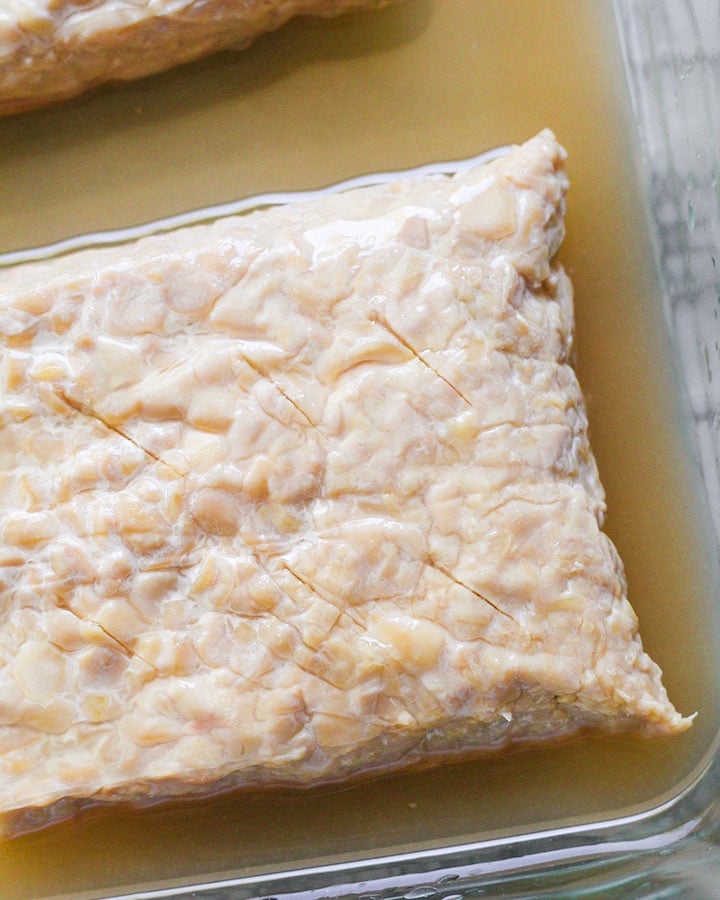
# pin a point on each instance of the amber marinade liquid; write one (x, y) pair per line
(313, 104)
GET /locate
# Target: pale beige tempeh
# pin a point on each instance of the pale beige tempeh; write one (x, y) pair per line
(303, 494)
(53, 49)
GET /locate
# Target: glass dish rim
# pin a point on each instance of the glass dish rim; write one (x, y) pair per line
(685, 813)
(666, 827)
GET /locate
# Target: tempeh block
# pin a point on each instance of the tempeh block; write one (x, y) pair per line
(304, 494)
(51, 50)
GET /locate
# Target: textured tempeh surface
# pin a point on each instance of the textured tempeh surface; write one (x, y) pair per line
(53, 49)
(305, 493)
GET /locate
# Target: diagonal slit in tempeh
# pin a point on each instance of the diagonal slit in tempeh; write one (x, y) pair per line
(256, 368)
(280, 392)
(64, 604)
(323, 596)
(376, 317)
(85, 410)
(428, 561)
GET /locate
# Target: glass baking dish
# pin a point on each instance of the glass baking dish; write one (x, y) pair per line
(632, 90)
